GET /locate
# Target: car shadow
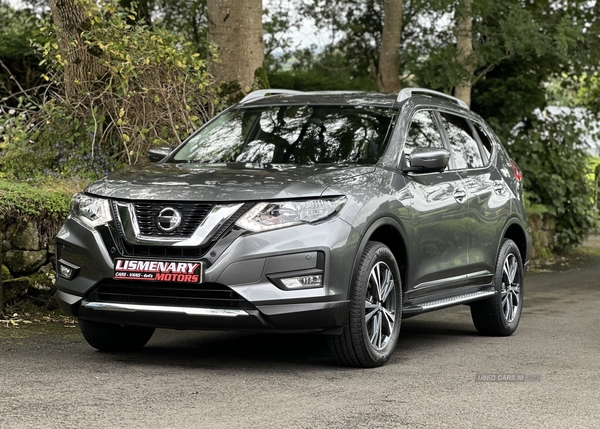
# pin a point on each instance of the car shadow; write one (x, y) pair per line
(216, 350)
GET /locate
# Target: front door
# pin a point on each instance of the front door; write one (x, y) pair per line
(439, 255)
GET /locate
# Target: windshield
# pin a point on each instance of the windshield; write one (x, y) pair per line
(292, 134)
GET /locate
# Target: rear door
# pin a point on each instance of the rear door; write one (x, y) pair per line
(487, 204)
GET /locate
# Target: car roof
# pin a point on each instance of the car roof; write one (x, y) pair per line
(334, 98)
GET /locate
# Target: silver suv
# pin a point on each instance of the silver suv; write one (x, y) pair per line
(332, 212)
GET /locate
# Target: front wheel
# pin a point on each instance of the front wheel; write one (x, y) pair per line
(371, 331)
(115, 338)
(500, 315)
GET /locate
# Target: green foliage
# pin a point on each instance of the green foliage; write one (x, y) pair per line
(588, 93)
(313, 72)
(21, 200)
(19, 61)
(536, 208)
(188, 19)
(313, 80)
(155, 91)
(508, 94)
(349, 62)
(50, 141)
(279, 19)
(6, 275)
(518, 46)
(555, 166)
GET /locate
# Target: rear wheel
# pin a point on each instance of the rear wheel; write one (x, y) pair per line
(115, 338)
(500, 315)
(371, 331)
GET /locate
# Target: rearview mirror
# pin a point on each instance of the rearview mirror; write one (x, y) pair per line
(427, 160)
(158, 153)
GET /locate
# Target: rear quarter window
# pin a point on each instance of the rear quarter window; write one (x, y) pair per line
(486, 143)
(463, 145)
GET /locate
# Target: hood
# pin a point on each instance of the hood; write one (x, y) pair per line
(223, 182)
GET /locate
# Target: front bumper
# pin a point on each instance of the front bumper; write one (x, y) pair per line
(290, 317)
(246, 268)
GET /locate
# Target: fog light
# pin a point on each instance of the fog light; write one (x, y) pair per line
(66, 270)
(303, 282)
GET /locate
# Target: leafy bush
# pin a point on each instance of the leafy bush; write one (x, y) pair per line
(59, 146)
(154, 92)
(19, 62)
(307, 71)
(47, 202)
(588, 93)
(551, 152)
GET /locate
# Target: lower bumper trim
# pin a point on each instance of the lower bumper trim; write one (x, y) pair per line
(190, 311)
(303, 317)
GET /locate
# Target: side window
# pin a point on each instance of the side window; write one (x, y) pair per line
(485, 140)
(423, 133)
(463, 145)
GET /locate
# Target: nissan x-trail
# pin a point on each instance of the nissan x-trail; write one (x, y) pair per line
(331, 212)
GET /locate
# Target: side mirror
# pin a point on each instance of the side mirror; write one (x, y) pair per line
(427, 160)
(158, 153)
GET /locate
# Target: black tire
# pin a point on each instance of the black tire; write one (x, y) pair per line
(115, 338)
(371, 331)
(500, 315)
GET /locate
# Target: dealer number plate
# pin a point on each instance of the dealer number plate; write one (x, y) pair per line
(164, 271)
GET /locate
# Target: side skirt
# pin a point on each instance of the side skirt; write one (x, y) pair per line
(432, 302)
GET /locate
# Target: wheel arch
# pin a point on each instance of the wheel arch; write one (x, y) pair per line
(515, 231)
(389, 232)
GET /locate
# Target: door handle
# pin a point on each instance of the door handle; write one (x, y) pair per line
(460, 195)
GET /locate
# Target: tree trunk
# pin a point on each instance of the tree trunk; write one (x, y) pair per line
(235, 26)
(464, 52)
(81, 68)
(1, 284)
(388, 79)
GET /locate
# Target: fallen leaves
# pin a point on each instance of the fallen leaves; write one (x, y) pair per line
(16, 320)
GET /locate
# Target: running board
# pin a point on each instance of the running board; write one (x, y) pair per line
(447, 302)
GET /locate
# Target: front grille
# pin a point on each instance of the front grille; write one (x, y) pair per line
(163, 252)
(192, 215)
(200, 295)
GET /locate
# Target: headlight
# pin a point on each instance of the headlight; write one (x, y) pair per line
(90, 210)
(267, 216)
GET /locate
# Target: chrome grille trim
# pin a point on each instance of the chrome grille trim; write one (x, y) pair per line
(213, 221)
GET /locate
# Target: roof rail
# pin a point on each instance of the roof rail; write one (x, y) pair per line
(255, 95)
(408, 92)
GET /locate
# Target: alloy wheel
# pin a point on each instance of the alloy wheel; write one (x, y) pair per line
(380, 305)
(511, 288)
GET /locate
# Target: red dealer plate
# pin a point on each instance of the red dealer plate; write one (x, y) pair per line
(163, 271)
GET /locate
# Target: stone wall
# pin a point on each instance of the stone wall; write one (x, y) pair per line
(543, 228)
(28, 271)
